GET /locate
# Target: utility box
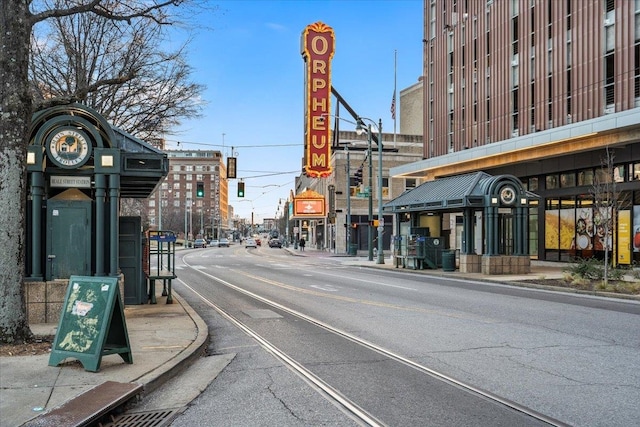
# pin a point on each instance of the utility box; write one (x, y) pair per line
(130, 260)
(68, 236)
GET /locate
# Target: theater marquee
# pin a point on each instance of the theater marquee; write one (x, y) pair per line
(309, 204)
(318, 44)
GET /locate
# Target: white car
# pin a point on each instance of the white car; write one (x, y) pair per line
(250, 243)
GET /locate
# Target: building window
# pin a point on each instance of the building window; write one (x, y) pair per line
(634, 172)
(618, 173)
(532, 184)
(152, 203)
(176, 185)
(385, 187)
(609, 92)
(567, 180)
(551, 182)
(410, 183)
(585, 177)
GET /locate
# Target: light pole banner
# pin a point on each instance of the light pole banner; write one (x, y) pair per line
(318, 43)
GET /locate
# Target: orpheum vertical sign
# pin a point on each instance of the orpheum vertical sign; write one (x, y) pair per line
(318, 44)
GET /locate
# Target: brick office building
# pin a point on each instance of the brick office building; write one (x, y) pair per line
(538, 89)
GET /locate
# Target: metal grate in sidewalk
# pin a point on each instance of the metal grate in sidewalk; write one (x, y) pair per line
(158, 418)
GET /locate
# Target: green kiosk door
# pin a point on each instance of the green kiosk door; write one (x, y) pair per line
(68, 238)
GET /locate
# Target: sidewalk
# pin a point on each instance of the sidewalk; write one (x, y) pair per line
(164, 338)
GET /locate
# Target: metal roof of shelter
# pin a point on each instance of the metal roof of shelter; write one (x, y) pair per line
(142, 166)
(449, 193)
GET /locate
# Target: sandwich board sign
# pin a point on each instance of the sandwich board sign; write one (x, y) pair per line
(91, 324)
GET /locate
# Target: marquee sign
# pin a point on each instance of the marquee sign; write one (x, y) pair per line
(309, 203)
(318, 43)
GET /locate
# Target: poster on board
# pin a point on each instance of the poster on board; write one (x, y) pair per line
(92, 323)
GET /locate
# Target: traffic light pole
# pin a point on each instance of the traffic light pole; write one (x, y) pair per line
(348, 193)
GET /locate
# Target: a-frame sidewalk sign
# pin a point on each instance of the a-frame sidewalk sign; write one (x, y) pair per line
(92, 323)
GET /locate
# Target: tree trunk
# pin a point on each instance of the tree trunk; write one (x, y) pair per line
(15, 117)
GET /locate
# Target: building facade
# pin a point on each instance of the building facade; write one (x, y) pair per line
(345, 227)
(193, 199)
(547, 91)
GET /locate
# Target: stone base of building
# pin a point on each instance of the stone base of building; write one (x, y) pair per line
(46, 299)
(470, 263)
(502, 264)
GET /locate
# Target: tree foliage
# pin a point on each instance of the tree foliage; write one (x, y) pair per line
(118, 68)
(88, 80)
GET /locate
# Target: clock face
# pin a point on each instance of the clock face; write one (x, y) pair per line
(508, 195)
(69, 148)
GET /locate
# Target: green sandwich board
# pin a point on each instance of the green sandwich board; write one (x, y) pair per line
(92, 323)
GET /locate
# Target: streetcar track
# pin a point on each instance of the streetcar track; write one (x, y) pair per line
(333, 395)
(347, 406)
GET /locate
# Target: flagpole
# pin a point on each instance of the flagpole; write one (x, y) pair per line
(395, 78)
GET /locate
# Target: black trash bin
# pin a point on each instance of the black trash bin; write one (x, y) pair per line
(448, 260)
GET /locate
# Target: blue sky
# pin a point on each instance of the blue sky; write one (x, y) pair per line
(247, 54)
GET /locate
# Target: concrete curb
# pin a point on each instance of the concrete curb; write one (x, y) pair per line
(163, 373)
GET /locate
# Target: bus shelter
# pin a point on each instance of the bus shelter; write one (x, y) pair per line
(483, 217)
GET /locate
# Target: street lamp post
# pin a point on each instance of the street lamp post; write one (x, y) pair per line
(380, 257)
(348, 193)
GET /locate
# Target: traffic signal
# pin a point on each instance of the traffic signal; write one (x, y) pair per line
(358, 176)
(199, 189)
(241, 189)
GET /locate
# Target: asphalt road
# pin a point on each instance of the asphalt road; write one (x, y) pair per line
(571, 358)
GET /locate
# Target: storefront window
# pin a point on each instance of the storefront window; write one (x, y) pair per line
(533, 229)
(552, 224)
(532, 184)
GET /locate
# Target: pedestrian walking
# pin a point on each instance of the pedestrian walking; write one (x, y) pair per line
(302, 243)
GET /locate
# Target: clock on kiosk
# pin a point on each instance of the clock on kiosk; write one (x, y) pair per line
(69, 148)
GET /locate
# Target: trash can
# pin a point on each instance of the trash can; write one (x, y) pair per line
(353, 249)
(448, 260)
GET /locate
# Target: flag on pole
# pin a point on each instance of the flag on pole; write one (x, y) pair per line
(393, 106)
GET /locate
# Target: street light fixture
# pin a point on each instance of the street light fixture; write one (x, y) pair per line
(346, 145)
(359, 129)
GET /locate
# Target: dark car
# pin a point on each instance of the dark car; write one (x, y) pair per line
(275, 243)
(199, 243)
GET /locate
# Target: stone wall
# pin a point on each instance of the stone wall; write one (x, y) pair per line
(46, 299)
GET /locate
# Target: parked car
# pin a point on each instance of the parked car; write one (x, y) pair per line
(199, 243)
(224, 243)
(275, 243)
(214, 243)
(250, 243)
